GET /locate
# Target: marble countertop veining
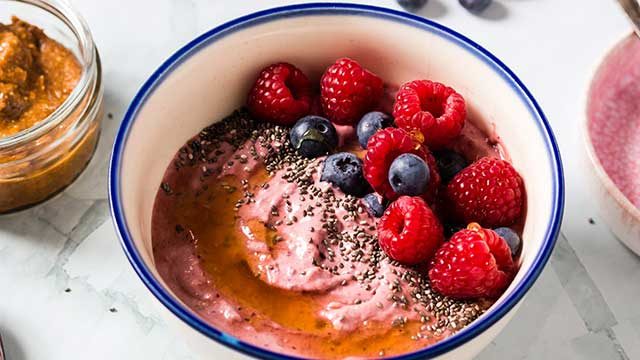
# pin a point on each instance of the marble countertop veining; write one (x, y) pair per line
(69, 293)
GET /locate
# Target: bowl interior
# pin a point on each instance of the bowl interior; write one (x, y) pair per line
(210, 78)
(613, 123)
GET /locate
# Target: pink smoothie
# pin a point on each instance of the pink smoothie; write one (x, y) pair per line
(613, 112)
(324, 247)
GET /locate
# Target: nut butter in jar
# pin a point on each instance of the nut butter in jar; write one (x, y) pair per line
(50, 100)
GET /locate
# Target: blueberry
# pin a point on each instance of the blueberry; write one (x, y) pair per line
(449, 164)
(344, 170)
(512, 239)
(313, 136)
(475, 6)
(409, 175)
(375, 207)
(369, 124)
(412, 5)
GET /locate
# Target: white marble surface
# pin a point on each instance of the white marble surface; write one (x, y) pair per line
(67, 291)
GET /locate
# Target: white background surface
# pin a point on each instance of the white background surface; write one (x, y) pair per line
(67, 291)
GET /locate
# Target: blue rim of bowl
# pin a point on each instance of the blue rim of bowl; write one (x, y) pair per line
(444, 346)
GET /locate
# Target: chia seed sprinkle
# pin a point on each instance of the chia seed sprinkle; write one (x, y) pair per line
(343, 248)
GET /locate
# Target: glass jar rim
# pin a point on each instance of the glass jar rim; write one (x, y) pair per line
(62, 10)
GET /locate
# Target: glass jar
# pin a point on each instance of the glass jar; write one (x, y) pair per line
(40, 161)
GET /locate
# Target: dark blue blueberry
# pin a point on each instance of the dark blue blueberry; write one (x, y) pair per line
(449, 164)
(375, 207)
(313, 136)
(512, 239)
(475, 6)
(412, 5)
(409, 175)
(344, 170)
(369, 124)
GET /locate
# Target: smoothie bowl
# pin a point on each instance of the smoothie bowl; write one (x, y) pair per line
(238, 222)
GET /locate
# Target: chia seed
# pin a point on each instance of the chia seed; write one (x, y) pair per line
(166, 188)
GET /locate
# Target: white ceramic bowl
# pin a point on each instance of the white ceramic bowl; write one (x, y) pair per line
(620, 214)
(210, 77)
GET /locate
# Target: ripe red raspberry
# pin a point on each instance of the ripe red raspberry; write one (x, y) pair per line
(348, 91)
(434, 109)
(409, 232)
(474, 263)
(489, 191)
(386, 145)
(281, 95)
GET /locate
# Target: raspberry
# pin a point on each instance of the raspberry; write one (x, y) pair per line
(489, 191)
(474, 263)
(281, 95)
(384, 147)
(409, 232)
(434, 109)
(348, 91)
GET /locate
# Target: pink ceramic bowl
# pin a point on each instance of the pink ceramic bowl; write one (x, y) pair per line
(612, 134)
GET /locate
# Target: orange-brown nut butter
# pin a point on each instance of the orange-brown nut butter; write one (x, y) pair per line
(37, 75)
